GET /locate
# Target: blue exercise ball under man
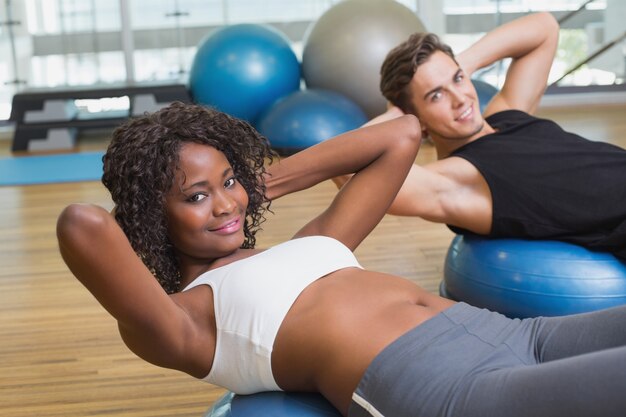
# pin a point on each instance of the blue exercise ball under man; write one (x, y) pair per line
(529, 278)
(242, 69)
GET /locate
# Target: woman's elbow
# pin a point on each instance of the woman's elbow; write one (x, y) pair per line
(78, 222)
(411, 129)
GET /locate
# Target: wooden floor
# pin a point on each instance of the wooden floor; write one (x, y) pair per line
(60, 353)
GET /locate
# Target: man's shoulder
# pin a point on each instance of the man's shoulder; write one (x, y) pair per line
(509, 115)
(514, 121)
(452, 167)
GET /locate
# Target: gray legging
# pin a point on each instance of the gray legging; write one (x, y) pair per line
(469, 362)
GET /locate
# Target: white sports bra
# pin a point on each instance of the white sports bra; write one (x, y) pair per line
(252, 297)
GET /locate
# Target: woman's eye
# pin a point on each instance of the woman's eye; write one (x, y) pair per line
(229, 182)
(197, 197)
(435, 96)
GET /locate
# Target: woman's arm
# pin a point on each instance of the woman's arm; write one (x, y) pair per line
(531, 42)
(380, 157)
(98, 253)
(391, 113)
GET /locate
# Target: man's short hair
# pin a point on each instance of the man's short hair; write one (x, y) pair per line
(401, 63)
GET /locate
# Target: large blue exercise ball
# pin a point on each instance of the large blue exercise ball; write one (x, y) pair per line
(528, 278)
(273, 404)
(345, 48)
(308, 117)
(242, 69)
(485, 92)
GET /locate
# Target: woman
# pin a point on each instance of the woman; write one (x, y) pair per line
(189, 186)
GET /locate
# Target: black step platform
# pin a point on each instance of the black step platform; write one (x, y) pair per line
(47, 119)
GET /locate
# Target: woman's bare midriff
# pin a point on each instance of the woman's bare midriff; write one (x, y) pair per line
(339, 324)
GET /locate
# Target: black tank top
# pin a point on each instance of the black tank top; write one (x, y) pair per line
(547, 183)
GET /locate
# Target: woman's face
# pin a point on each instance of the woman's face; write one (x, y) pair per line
(206, 206)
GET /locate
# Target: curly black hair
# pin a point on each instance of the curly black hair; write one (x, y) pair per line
(139, 168)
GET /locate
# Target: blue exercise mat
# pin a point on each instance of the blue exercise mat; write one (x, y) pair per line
(46, 169)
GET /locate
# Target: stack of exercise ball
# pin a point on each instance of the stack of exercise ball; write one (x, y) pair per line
(243, 69)
(251, 72)
(345, 48)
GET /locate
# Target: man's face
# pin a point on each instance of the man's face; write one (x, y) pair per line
(445, 100)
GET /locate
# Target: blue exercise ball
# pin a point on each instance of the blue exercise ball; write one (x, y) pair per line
(242, 69)
(308, 117)
(528, 278)
(273, 404)
(485, 93)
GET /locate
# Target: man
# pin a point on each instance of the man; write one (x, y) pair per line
(511, 174)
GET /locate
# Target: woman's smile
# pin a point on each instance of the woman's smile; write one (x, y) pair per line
(226, 228)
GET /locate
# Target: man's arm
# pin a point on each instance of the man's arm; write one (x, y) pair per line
(431, 195)
(380, 157)
(531, 42)
(391, 113)
(421, 195)
(421, 192)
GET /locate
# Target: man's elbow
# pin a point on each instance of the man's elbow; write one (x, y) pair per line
(549, 24)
